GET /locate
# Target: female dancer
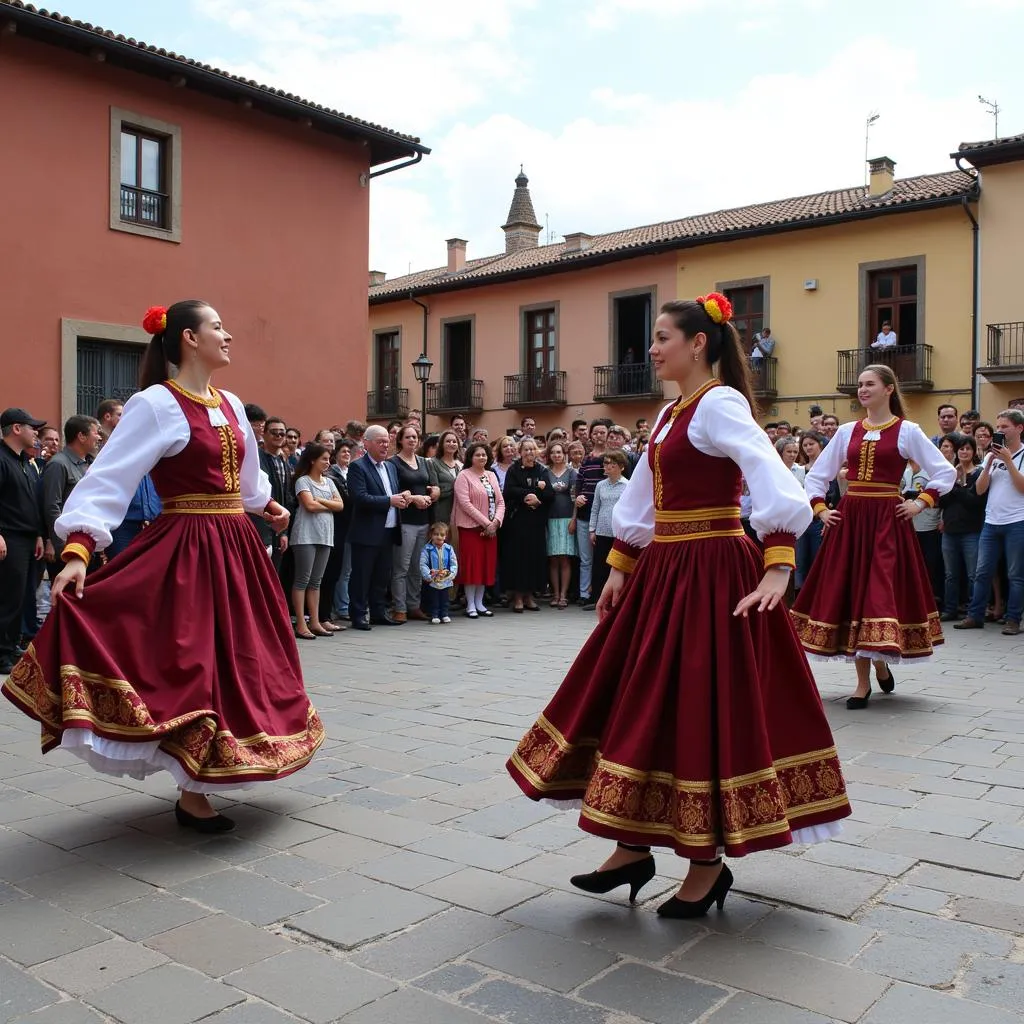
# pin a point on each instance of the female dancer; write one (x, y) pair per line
(179, 654)
(867, 597)
(686, 721)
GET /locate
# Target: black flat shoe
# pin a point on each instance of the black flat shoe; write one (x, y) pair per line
(684, 909)
(886, 685)
(636, 874)
(857, 703)
(305, 636)
(361, 624)
(220, 823)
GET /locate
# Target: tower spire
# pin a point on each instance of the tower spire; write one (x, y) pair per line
(522, 230)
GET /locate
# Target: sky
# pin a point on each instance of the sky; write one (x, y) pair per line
(622, 112)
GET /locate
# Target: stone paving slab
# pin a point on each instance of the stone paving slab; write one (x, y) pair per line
(402, 878)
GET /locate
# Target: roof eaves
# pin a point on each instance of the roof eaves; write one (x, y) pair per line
(991, 151)
(589, 258)
(50, 26)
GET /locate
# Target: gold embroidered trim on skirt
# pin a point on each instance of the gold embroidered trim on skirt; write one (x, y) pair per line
(204, 504)
(912, 639)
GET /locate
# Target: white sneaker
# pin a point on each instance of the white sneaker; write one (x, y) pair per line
(435, 622)
(446, 620)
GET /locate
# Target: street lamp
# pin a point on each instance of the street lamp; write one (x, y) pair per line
(421, 369)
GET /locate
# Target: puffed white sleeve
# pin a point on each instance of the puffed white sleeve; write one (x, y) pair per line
(915, 444)
(633, 516)
(826, 468)
(255, 483)
(724, 426)
(150, 429)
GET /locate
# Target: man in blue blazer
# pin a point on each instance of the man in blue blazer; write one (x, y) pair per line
(374, 531)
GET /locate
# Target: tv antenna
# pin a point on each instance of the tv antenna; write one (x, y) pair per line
(993, 108)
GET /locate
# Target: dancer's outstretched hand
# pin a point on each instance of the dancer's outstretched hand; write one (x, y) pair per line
(770, 591)
(612, 592)
(72, 575)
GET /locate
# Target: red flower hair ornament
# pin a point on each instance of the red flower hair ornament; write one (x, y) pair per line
(155, 320)
(717, 306)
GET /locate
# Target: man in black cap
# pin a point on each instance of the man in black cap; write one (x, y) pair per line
(20, 525)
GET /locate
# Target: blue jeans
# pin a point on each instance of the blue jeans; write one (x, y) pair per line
(1005, 540)
(957, 548)
(586, 550)
(807, 546)
(341, 587)
(435, 602)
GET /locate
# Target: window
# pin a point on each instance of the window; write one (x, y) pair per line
(144, 198)
(747, 312)
(540, 340)
(145, 176)
(106, 370)
(458, 351)
(892, 297)
(631, 323)
(387, 360)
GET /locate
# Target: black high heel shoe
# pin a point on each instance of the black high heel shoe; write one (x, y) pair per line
(636, 874)
(858, 703)
(684, 909)
(886, 685)
(219, 823)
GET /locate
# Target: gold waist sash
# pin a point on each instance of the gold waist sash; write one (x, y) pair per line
(204, 505)
(865, 489)
(697, 524)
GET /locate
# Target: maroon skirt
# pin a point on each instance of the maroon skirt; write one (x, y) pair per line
(683, 726)
(868, 592)
(478, 557)
(179, 656)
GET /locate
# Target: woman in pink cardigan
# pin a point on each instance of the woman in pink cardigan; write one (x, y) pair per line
(478, 511)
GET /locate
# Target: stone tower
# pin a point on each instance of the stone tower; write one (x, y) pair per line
(521, 229)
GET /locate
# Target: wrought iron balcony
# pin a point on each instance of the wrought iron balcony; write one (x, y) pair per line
(536, 387)
(912, 364)
(764, 376)
(141, 206)
(387, 404)
(1005, 355)
(627, 382)
(455, 396)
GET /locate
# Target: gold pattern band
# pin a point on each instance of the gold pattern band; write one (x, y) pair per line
(75, 551)
(927, 499)
(671, 527)
(210, 403)
(868, 489)
(621, 561)
(818, 507)
(912, 640)
(691, 515)
(204, 504)
(780, 555)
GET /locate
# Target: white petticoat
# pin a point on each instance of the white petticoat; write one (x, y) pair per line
(135, 760)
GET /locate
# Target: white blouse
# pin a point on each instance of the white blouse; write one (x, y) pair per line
(152, 428)
(723, 428)
(912, 443)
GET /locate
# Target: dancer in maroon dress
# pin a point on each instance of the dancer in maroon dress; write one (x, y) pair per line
(690, 719)
(179, 654)
(867, 597)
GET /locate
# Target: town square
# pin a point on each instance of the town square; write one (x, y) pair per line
(510, 513)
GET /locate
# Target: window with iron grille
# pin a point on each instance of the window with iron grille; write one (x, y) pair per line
(747, 312)
(388, 354)
(106, 370)
(144, 197)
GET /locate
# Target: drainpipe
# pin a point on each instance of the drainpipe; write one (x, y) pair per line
(975, 286)
(397, 167)
(423, 396)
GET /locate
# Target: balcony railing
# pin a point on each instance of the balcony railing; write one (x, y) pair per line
(141, 206)
(626, 382)
(1005, 356)
(387, 404)
(536, 387)
(455, 396)
(764, 376)
(912, 364)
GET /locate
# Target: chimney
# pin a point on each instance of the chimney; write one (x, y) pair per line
(456, 255)
(883, 172)
(377, 277)
(578, 241)
(521, 229)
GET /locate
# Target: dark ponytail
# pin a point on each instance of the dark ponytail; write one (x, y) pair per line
(164, 349)
(723, 348)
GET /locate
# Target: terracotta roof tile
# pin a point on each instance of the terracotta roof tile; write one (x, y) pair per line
(42, 19)
(1007, 140)
(761, 218)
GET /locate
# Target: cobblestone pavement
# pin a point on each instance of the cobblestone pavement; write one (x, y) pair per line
(401, 878)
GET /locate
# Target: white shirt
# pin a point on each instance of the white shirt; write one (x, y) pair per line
(885, 340)
(382, 470)
(1005, 502)
(152, 428)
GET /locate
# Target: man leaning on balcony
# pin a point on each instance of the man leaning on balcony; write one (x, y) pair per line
(762, 347)
(886, 337)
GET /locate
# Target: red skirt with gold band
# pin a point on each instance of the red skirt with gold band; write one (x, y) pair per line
(868, 593)
(181, 648)
(681, 725)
